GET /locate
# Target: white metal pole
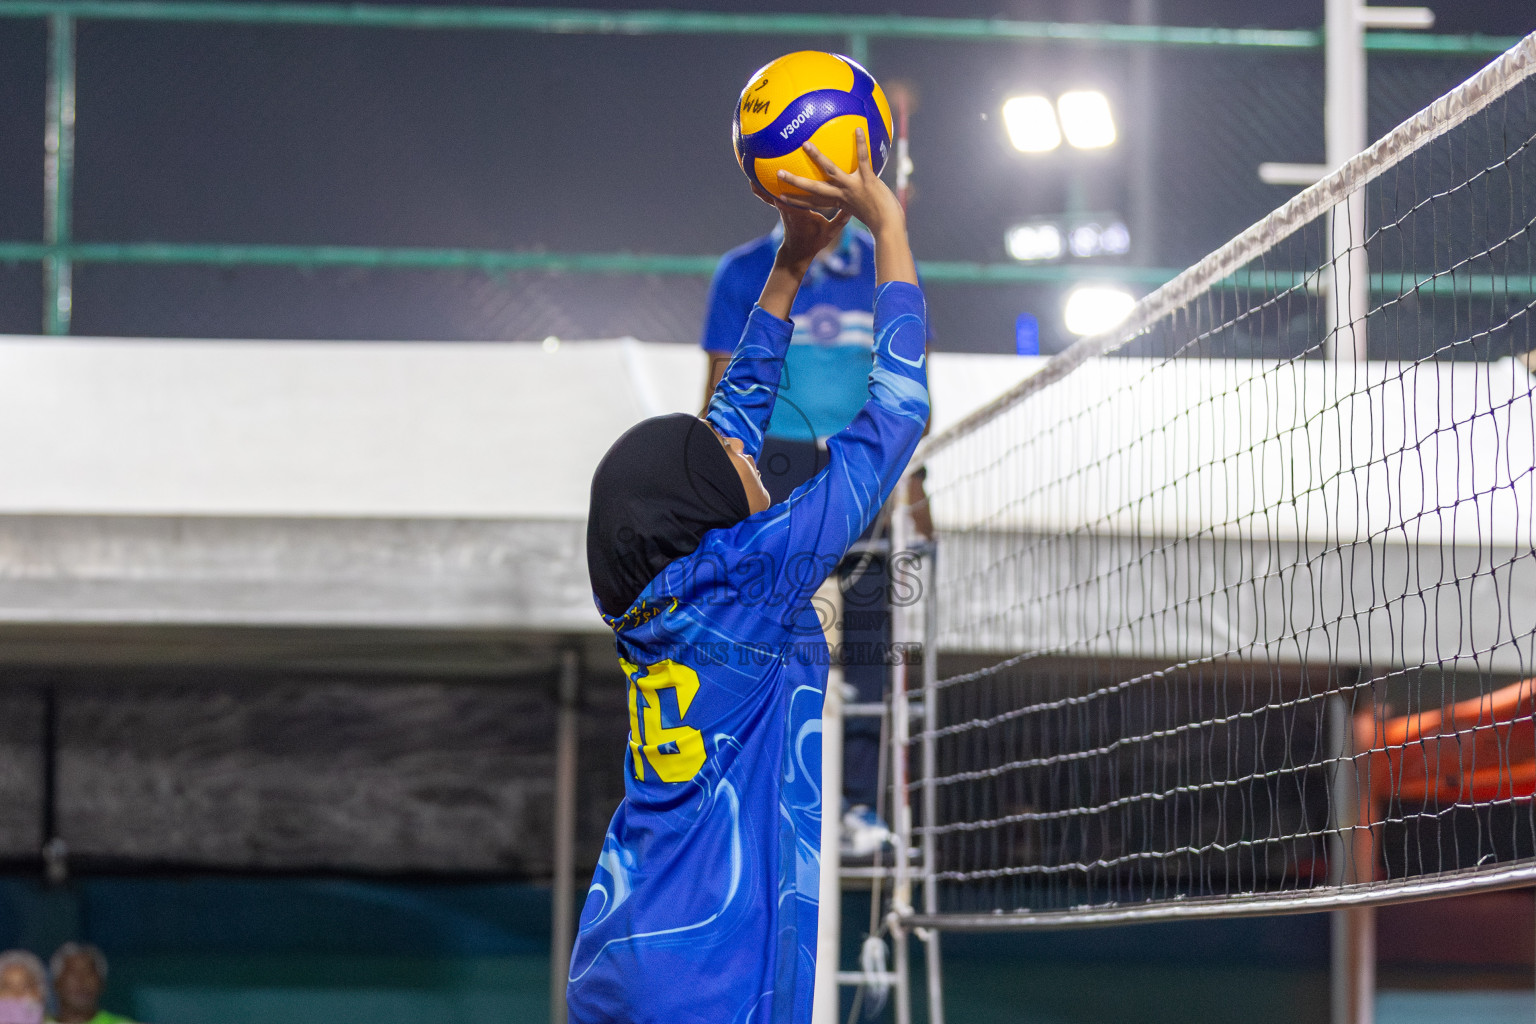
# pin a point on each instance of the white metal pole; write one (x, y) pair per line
(930, 620)
(825, 999)
(1344, 124)
(1353, 929)
(563, 894)
(1344, 127)
(1145, 185)
(1354, 965)
(901, 731)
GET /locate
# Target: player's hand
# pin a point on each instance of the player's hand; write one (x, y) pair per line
(860, 191)
(806, 233)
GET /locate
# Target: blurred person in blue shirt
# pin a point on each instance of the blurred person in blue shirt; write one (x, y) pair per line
(823, 386)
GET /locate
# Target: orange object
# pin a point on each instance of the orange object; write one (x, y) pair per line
(1477, 750)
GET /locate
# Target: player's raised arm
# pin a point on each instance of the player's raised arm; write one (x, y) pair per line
(743, 400)
(862, 193)
(866, 459)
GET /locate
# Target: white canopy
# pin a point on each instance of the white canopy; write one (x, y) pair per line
(351, 484)
(1374, 513)
(398, 429)
(433, 485)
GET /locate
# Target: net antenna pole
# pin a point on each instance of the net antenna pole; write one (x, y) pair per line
(901, 99)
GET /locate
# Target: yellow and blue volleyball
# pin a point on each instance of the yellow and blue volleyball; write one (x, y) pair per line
(808, 96)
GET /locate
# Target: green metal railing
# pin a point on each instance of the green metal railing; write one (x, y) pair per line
(59, 252)
(533, 19)
(492, 261)
(58, 174)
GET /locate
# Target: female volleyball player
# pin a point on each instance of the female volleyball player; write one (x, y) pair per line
(702, 909)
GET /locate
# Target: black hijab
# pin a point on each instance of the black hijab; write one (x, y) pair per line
(665, 483)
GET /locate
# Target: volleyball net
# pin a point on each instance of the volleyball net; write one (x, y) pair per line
(1233, 617)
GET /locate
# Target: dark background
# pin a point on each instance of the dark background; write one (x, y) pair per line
(571, 143)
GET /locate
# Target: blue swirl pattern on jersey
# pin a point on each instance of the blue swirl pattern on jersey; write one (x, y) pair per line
(703, 906)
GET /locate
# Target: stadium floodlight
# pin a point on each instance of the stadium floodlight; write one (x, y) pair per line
(1031, 124)
(1115, 240)
(1084, 240)
(1033, 242)
(1086, 119)
(1094, 239)
(1092, 308)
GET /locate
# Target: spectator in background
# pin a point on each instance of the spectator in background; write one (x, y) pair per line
(79, 974)
(826, 372)
(23, 988)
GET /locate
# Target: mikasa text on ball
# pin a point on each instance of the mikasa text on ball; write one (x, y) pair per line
(803, 97)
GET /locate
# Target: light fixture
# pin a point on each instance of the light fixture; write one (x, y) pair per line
(1031, 124)
(1095, 308)
(1049, 240)
(551, 344)
(1033, 242)
(1084, 240)
(1086, 119)
(1115, 240)
(1094, 239)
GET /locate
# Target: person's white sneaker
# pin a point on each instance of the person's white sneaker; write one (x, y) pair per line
(863, 832)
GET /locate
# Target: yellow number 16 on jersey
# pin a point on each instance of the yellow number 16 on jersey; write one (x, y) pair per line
(675, 752)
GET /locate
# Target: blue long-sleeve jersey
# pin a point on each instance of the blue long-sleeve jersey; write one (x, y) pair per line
(703, 906)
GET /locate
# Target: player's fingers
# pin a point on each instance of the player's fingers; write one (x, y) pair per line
(829, 220)
(821, 160)
(840, 220)
(861, 143)
(811, 185)
(794, 206)
(762, 193)
(795, 203)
